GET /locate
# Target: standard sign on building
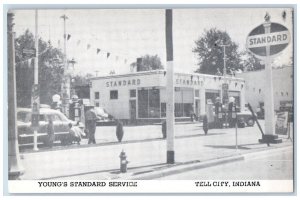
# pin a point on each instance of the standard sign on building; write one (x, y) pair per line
(277, 39)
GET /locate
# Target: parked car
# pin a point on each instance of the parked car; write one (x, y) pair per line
(247, 117)
(60, 123)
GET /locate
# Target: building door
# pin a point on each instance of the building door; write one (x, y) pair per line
(132, 110)
(197, 107)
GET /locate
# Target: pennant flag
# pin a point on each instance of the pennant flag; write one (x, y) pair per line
(107, 55)
(98, 50)
(78, 42)
(69, 36)
(88, 46)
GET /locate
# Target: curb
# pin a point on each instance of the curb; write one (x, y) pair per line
(210, 163)
(189, 167)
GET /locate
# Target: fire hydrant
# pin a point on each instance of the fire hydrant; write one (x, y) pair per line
(123, 162)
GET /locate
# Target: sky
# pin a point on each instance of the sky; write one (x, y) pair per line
(130, 33)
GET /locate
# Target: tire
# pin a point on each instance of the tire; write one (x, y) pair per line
(250, 122)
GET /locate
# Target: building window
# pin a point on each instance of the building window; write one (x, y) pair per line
(97, 95)
(184, 99)
(132, 93)
(149, 103)
(97, 105)
(197, 93)
(114, 94)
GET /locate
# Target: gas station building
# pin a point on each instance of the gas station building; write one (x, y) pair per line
(142, 96)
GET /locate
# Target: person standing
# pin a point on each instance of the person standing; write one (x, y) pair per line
(90, 121)
(205, 124)
(50, 133)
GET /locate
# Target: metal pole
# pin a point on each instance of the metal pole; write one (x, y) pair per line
(269, 99)
(36, 74)
(66, 78)
(224, 58)
(170, 89)
(15, 167)
(236, 136)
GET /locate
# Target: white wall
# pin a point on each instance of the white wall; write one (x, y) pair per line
(120, 107)
(255, 86)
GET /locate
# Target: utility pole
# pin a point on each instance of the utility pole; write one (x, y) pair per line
(170, 89)
(15, 167)
(66, 78)
(224, 57)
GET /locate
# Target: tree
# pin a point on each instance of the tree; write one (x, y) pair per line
(149, 63)
(250, 62)
(210, 52)
(50, 70)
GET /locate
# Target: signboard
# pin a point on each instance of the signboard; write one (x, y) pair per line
(278, 39)
(28, 52)
(281, 123)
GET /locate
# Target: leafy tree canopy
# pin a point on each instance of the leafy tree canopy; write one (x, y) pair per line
(149, 63)
(210, 52)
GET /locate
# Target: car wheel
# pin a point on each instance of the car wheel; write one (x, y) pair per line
(250, 122)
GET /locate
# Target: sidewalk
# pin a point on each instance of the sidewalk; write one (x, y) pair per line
(146, 156)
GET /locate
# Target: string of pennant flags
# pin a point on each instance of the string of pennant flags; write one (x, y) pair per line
(98, 51)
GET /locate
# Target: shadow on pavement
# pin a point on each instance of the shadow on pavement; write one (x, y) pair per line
(227, 147)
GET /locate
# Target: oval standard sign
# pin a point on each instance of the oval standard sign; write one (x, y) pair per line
(277, 39)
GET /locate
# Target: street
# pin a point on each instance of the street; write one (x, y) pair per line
(275, 166)
(144, 147)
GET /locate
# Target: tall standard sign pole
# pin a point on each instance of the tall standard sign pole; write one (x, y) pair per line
(265, 42)
(170, 89)
(269, 99)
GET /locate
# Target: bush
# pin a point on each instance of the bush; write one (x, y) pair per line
(119, 131)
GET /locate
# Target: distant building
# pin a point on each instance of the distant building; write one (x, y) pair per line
(142, 95)
(255, 86)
